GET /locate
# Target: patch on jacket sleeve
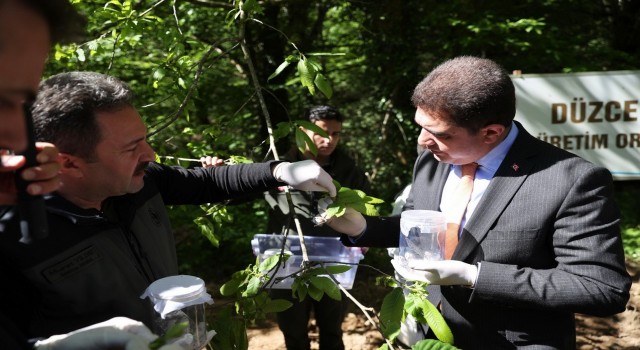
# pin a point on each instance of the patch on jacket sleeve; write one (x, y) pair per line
(72, 264)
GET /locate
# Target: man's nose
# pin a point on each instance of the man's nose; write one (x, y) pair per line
(148, 154)
(425, 139)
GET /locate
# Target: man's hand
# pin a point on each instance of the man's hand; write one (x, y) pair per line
(43, 178)
(211, 162)
(444, 272)
(351, 223)
(305, 175)
(118, 332)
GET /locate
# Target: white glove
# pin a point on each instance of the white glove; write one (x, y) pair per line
(116, 332)
(351, 223)
(444, 272)
(305, 175)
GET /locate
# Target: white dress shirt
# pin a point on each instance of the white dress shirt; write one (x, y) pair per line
(487, 167)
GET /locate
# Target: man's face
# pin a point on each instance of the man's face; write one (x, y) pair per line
(450, 144)
(326, 146)
(24, 45)
(121, 156)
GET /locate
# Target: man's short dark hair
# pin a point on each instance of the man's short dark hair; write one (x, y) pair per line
(316, 113)
(469, 92)
(65, 23)
(65, 109)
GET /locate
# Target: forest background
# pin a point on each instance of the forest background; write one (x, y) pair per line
(199, 69)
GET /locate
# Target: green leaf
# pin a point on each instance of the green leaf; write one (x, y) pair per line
(304, 142)
(277, 305)
(323, 85)
(314, 292)
(391, 313)
(355, 199)
(159, 73)
(370, 210)
(207, 229)
(328, 287)
(314, 65)
(307, 73)
(311, 126)
(223, 325)
(239, 331)
(436, 322)
(336, 269)
(279, 70)
(269, 263)
(230, 288)
(331, 289)
(432, 344)
(251, 6)
(373, 200)
(335, 210)
(300, 289)
(252, 287)
(282, 129)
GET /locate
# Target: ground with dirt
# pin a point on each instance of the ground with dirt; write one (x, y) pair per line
(619, 332)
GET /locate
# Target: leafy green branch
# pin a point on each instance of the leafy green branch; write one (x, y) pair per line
(350, 198)
(397, 306)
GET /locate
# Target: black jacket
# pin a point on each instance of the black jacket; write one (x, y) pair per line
(94, 265)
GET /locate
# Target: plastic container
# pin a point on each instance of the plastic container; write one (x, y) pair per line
(422, 235)
(319, 249)
(178, 299)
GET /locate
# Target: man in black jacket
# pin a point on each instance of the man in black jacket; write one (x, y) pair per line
(110, 236)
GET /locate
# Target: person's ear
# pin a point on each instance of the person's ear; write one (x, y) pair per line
(493, 133)
(71, 165)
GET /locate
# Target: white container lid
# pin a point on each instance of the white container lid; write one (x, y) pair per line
(176, 292)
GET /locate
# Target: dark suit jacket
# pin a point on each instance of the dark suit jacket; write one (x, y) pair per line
(546, 232)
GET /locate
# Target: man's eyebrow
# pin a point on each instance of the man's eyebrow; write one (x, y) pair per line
(134, 142)
(437, 134)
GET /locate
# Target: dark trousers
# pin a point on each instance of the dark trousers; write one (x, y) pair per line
(293, 322)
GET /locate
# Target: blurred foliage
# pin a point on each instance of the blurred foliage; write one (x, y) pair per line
(194, 86)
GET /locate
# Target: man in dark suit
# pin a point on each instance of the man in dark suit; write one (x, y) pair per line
(540, 238)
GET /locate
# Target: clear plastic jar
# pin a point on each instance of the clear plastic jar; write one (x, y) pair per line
(177, 299)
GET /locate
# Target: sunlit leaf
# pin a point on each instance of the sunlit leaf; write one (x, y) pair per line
(323, 85)
(279, 70)
(311, 126)
(391, 313)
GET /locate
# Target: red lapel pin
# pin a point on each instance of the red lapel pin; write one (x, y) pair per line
(515, 167)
